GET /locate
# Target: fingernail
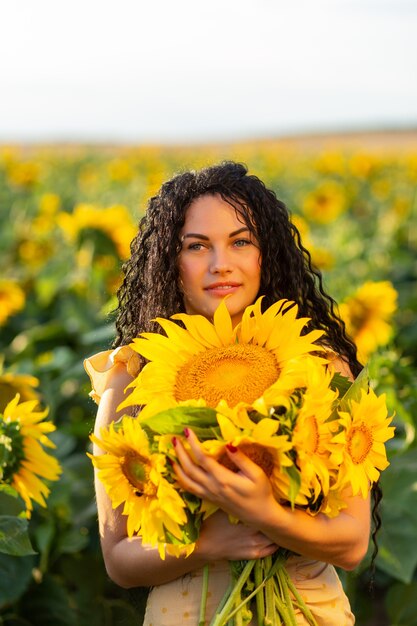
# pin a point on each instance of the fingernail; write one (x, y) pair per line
(231, 447)
(174, 441)
(187, 432)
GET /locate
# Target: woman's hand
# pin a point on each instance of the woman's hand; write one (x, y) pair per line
(247, 495)
(244, 494)
(221, 539)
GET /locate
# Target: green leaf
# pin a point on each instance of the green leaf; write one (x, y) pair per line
(72, 541)
(341, 383)
(10, 503)
(15, 577)
(193, 502)
(190, 531)
(401, 604)
(295, 482)
(8, 489)
(50, 603)
(14, 538)
(174, 420)
(397, 556)
(44, 535)
(355, 389)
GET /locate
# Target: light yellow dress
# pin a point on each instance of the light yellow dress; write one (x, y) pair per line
(178, 602)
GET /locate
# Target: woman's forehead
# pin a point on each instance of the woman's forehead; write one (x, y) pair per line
(209, 209)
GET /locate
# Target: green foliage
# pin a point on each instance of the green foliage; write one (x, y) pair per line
(69, 284)
(401, 604)
(173, 421)
(399, 514)
(15, 577)
(14, 538)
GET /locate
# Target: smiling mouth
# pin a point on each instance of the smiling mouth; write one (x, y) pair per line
(222, 287)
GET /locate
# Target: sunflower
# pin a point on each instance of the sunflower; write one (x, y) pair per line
(334, 502)
(114, 221)
(366, 429)
(313, 438)
(367, 315)
(260, 441)
(134, 477)
(11, 384)
(251, 364)
(326, 203)
(23, 460)
(12, 299)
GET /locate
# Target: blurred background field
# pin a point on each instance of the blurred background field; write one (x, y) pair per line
(68, 214)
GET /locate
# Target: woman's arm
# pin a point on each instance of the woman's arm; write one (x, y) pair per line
(128, 562)
(247, 495)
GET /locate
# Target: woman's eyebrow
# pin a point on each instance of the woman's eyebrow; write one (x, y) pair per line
(205, 238)
(194, 236)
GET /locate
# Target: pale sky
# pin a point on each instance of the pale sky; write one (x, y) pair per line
(188, 70)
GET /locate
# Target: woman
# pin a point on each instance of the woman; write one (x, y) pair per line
(210, 234)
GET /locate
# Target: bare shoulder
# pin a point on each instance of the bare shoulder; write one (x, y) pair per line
(115, 391)
(340, 365)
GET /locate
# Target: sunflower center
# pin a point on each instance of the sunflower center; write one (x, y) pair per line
(236, 373)
(12, 451)
(359, 443)
(360, 317)
(258, 454)
(136, 469)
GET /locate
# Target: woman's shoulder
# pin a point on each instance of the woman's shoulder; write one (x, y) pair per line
(338, 363)
(104, 367)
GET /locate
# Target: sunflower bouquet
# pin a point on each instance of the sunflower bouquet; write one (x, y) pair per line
(267, 388)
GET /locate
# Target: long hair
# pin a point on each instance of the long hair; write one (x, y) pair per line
(150, 286)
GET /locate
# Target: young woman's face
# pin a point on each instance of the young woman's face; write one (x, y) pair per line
(219, 257)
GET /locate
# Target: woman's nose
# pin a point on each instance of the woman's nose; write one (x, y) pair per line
(220, 262)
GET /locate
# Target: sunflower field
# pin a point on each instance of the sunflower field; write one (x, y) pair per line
(68, 215)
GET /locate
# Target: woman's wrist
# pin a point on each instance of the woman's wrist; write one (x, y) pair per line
(276, 521)
(203, 551)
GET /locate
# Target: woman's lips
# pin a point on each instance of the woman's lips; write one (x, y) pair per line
(222, 289)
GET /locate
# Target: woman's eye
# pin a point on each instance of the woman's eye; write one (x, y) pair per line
(240, 243)
(195, 246)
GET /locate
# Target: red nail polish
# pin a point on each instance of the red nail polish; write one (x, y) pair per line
(231, 447)
(174, 441)
(187, 432)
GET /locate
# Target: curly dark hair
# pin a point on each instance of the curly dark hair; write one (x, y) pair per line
(150, 286)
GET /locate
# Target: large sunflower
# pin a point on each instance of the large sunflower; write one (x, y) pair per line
(24, 461)
(214, 362)
(366, 429)
(132, 476)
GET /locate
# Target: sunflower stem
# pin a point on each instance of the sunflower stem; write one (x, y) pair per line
(224, 599)
(258, 591)
(282, 580)
(204, 591)
(269, 594)
(300, 602)
(238, 612)
(283, 600)
(260, 600)
(281, 611)
(221, 618)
